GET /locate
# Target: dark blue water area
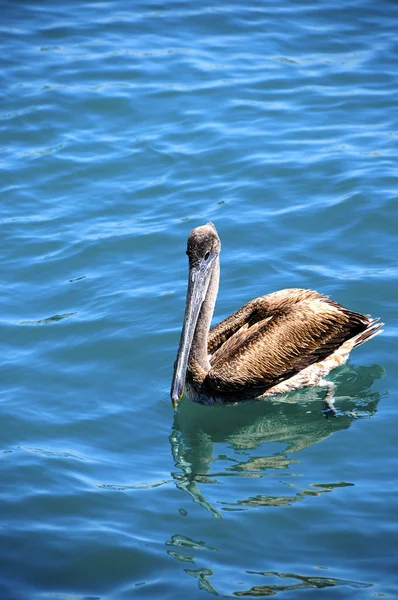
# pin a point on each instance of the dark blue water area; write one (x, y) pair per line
(122, 127)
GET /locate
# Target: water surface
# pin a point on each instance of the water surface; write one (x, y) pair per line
(123, 126)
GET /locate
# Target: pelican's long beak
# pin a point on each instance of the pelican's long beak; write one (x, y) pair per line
(199, 279)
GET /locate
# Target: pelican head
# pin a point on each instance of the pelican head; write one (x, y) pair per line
(203, 249)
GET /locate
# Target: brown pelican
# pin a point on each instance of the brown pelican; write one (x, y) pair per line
(275, 343)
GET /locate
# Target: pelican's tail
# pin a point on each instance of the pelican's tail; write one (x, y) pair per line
(374, 328)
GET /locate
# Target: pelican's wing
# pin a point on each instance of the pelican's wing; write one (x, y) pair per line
(294, 329)
(249, 315)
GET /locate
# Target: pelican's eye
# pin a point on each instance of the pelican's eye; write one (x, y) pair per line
(207, 255)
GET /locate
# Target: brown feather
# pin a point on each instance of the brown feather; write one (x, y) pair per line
(296, 328)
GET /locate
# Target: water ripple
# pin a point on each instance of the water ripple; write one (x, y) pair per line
(122, 128)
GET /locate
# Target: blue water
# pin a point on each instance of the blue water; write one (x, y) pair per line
(123, 125)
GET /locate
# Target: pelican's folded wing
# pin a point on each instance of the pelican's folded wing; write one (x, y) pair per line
(296, 328)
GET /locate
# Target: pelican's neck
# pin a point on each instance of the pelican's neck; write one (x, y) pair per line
(199, 346)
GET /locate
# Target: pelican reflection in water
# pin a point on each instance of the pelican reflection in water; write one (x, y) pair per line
(274, 344)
